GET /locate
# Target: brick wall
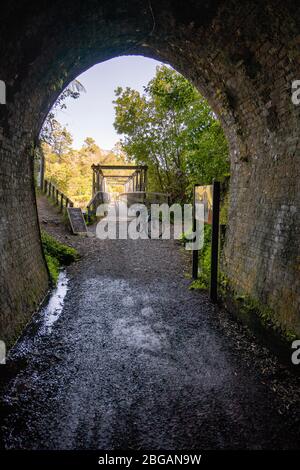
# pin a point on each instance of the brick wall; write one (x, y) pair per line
(242, 56)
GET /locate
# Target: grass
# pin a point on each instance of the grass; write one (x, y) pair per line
(57, 254)
(202, 282)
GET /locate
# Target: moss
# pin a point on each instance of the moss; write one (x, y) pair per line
(224, 207)
(57, 254)
(249, 308)
(53, 267)
(266, 315)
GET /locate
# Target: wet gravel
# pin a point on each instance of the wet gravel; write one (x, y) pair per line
(136, 360)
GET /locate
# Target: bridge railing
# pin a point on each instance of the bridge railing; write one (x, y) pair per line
(57, 196)
(100, 197)
(142, 197)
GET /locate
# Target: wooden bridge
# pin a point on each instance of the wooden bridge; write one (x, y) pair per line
(133, 177)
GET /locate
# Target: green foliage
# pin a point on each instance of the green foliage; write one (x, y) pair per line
(63, 253)
(185, 237)
(91, 219)
(172, 129)
(70, 170)
(204, 261)
(57, 254)
(53, 267)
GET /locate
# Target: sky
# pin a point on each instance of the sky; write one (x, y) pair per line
(92, 115)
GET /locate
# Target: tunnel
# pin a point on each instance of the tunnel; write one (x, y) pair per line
(242, 56)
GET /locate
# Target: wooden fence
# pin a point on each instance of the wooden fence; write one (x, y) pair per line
(59, 198)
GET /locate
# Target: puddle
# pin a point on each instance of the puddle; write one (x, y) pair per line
(42, 323)
(51, 313)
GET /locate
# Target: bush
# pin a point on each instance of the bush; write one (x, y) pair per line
(53, 267)
(57, 255)
(204, 261)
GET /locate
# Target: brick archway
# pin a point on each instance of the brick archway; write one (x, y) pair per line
(242, 57)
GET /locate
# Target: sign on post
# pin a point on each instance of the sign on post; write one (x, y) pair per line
(77, 221)
(204, 196)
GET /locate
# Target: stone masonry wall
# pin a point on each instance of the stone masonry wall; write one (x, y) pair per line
(243, 56)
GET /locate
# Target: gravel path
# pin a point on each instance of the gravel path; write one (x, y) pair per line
(136, 360)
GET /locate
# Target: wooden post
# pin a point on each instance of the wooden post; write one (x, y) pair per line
(195, 253)
(98, 181)
(42, 167)
(215, 243)
(94, 182)
(145, 179)
(135, 182)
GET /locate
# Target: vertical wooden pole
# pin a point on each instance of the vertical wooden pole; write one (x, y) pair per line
(142, 180)
(42, 168)
(139, 180)
(98, 181)
(94, 182)
(215, 243)
(145, 180)
(195, 253)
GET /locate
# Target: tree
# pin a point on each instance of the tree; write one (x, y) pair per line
(60, 140)
(70, 169)
(90, 146)
(72, 91)
(51, 133)
(172, 129)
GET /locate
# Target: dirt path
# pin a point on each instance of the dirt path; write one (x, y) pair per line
(137, 360)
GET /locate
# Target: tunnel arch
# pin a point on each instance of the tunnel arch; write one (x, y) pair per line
(242, 57)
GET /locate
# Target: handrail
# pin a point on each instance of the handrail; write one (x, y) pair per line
(57, 196)
(145, 197)
(100, 197)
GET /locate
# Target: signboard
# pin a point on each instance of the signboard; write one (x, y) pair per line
(77, 220)
(204, 195)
